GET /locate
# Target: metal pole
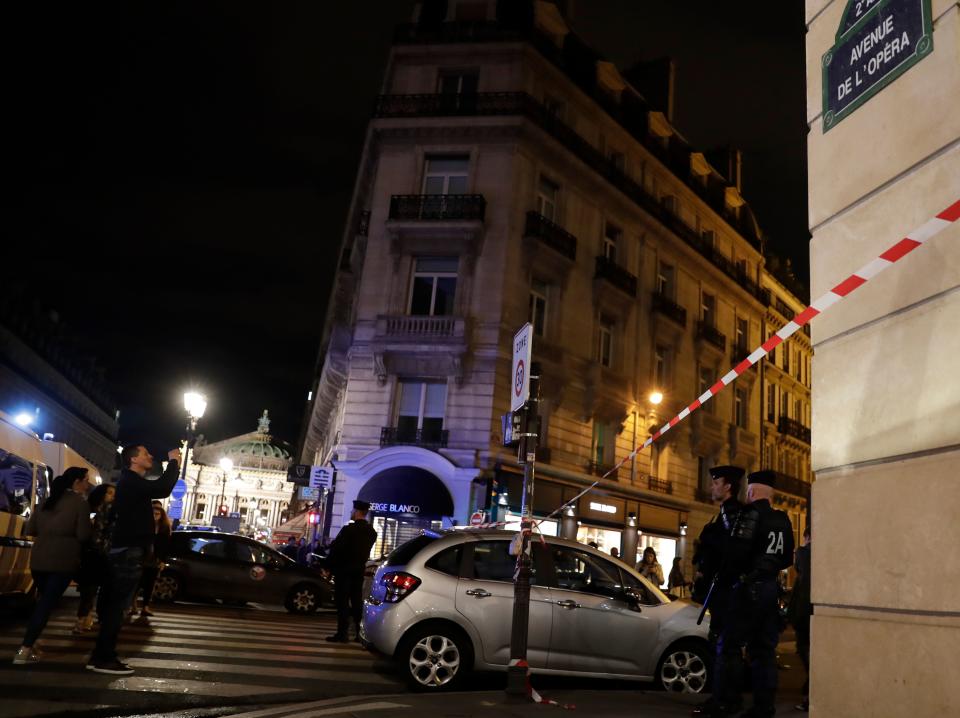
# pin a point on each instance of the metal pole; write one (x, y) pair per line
(517, 674)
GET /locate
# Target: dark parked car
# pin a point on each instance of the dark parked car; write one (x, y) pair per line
(232, 568)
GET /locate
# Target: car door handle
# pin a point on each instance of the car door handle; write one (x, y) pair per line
(479, 593)
(568, 604)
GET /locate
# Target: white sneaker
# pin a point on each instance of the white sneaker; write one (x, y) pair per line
(24, 656)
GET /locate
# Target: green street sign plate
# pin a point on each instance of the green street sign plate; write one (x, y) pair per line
(877, 41)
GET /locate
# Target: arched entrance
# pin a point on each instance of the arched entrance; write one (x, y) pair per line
(404, 500)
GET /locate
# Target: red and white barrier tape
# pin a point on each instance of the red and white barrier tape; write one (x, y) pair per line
(867, 272)
(531, 691)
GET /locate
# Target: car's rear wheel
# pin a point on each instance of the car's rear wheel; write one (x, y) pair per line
(436, 657)
(167, 587)
(303, 599)
(684, 668)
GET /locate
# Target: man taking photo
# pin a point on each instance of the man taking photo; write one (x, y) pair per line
(133, 534)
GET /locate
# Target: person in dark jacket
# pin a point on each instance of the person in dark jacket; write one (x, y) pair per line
(133, 535)
(347, 560)
(93, 560)
(800, 611)
(158, 555)
(61, 528)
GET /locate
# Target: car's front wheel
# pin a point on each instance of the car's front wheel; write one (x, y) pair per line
(167, 587)
(684, 668)
(303, 599)
(436, 657)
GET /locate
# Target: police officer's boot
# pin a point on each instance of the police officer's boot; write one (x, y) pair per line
(341, 636)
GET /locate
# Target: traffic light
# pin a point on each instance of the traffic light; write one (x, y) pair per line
(224, 510)
(313, 518)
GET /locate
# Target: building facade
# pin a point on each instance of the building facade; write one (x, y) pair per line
(512, 175)
(252, 486)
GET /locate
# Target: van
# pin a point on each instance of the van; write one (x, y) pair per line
(24, 485)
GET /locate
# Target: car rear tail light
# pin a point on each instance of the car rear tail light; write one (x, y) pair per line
(399, 585)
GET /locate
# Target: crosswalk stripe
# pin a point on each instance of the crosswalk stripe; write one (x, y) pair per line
(287, 707)
(133, 629)
(376, 706)
(85, 679)
(282, 619)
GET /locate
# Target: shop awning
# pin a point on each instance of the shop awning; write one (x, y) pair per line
(407, 490)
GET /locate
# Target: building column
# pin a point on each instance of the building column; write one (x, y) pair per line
(629, 540)
(568, 523)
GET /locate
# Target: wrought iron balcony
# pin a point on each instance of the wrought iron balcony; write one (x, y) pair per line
(787, 484)
(551, 234)
(601, 469)
(741, 352)
(662, 485)
(711, 334)
(669, 308)
(792, 427)
(426, 438)
(619, 277)
(438, 207)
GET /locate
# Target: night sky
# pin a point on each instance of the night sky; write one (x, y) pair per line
(181, 171)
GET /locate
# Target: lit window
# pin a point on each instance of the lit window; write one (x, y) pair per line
(611, 240)
(740, 404)
(661, 366)
(420, 410)
(665, 280)
(708, 309)
(605, 341)
(538, 307)
(434, 286)
(446, 174)
(547, 193)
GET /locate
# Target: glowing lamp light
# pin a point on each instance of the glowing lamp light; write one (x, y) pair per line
(23, 419)
(656, 397)
(226, 464)
(195, 403)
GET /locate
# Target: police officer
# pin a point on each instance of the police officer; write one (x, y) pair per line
(347, 560)
(760, 546)
(708, 558)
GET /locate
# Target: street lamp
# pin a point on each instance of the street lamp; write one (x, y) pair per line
(24, 419)
(655, 397)
(227, 466)
(196, 404)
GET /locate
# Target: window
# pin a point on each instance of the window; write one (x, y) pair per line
(644, 594)
(580, 571)
(773, 352)
(404, 553)
(709, 237)
(458, 82)
(446, 174)
(447, 561)
(661, 366)
(799, 365)
(420, 410)
(785, 404)
(742, 334)
(554, 106)
(708, 309)
(798, 411)
(771, 403)
(743, 267)
(740, 405)
(547, 194)
(666, 286)
(786, 359)
(611, 240)
(199, 512)
(16, 485)
(538, 307)
(604, 443)
(253, 553)
(209, 546)
(434, 286)
(669, 203)
(706, 377)
(493, 562)
(605, 341)
(617, 159)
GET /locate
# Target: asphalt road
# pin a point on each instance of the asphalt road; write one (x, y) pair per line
(191, 657)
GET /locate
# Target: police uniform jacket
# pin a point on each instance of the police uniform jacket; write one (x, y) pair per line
(762, 545)
(711, 545)
(351, 548)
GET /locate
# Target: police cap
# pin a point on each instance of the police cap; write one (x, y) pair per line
(765, 477)
(361, 506)
(728, 473)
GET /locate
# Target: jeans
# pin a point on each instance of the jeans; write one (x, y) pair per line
(124, 567)
(51, 585)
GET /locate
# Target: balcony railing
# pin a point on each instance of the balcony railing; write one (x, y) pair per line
(792, 485)
(619, 277)
(662, 485)
(792, 427)
(711, 334)
(669, 308)
(433, 207)
(411, 326)
(741, 352)
(363, 223)
(426, 438)
(519, 103)
(551, 234)
(601, 469)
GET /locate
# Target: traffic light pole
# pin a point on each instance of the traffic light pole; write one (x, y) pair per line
(527, 455)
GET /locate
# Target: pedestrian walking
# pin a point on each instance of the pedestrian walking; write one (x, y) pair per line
(60, 528)
(760, 546)
(93, 559)
(650, 568)
(133, 535)
(676, 581)
(347, 560)
(799, 613)
(290, 549)
(154, 563)
(303, 552)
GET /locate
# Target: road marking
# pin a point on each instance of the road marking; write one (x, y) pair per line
(278, 710)
(382, 705)
(50, 680)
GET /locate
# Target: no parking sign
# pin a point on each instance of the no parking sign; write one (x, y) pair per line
(522, 349)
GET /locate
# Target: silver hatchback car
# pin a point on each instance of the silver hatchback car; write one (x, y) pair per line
(442, 605)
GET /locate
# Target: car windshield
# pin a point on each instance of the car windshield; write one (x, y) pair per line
(403, 553)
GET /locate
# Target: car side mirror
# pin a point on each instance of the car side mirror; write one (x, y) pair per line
(632, 599)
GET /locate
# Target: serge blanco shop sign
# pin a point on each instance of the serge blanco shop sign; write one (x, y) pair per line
(395, 508)
(877, 41)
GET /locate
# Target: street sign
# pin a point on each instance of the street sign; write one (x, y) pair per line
(175, 509)
(522, 349)
(234, 514)
(476, 518)
(321, 477)
(299, 474)
(510, 426)
(877, 41)
(309, 494)
(179, 490)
